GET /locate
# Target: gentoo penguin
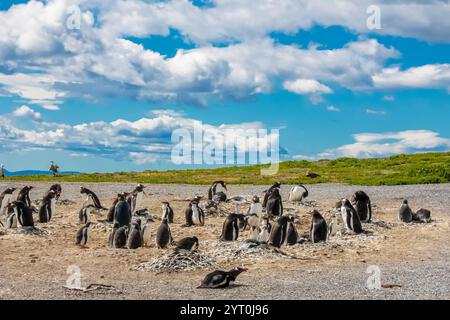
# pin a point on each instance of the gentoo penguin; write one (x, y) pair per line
(24, 195)
(217, 196)
(163, 235)
(54, 168)
(167, 212)
(254, 233)
(298, 193)
(230, 229)
(24, 213)
(82, 235)
(187, 244)
(2, 171)
(84, 213)
(146, 231)
(265, 228)
(122, 212)
(422, 215)
(332, 227)
(194, 214)
(5, 200)
(120, 236)
(319, 228)
(112, 234)
(405, 213)
(350, 217)
(135, 197)
(267, 193)
(361, 202)
(57, 189)
(279, 231)
(251, 220)
(255, 207)
(221, 279)
(11, 219)
(274, 207)
(47, 207)
(134, 240)
(112, 210)
(92, 196)
(292, 234)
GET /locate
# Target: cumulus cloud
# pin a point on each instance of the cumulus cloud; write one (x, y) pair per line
(385, 144)
(25, 111)
(376, 112)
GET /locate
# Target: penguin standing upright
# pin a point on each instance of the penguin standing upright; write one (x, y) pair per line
(292, 234)
(266, 228)
(24, 213)
(112, 234)
(24, 195)
(350, 217)
(90, 195)
(255, 207)
(112, 210)
(11, 219)
(405, 213)
(167, 212)
(146, 231)
(279, 231)
(84, 213)
(57, 189)
(274, 207)
(120, 236)
(122, 211)
(319, 228)
(83, 235)
(47, 207)
(134, 237)
(5, 199)
(267, 193)
(332, 227)
(217, 196)
(194, 214)
(230, 229)
(187, 244)
(251, 220)
(361, 202)
(221, 279)
(298, 193)
(163, 235)
(135, 198)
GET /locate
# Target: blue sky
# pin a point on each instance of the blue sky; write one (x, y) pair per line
(107, 95)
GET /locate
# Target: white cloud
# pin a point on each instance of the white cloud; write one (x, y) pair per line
(376, 112)
(25, 111)
(306, 86)
(389, 98)
(385, 144)
(333, 108)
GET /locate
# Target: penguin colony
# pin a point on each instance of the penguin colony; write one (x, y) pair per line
(133, 226)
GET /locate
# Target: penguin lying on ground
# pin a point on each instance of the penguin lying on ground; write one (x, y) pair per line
(187, 244)
(422, 215)
(298, 193)
(217, 196)
(83, 235)
(319, 228)
(221, 279)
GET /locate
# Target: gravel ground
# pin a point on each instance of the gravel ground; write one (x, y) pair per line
(416, 257)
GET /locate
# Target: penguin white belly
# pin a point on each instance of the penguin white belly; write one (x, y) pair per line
(344, 218)
(296, 194)
(256, 208)
(139, 197)
(147, 234)
(52, 206)
(254, 232)
(253, 222)
(195, 215)
(5, 202)
(263, 235)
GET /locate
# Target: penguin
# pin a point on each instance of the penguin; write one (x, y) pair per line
(112, 210)
(217, 196)
(91, 195)
(112, 234)
(274, 207)
(84, 213)
(251, 220)
(134, 240)
(163, 235)
(11, 219)
(254, 233)
(47, 207)
(230, 229)
(5, 199)
(350, 217)
(292, 234)
(146, 231)
(266, 228)
(57, 189)
(298, 193)
(135, 197)
(82, 235)
(405, 213)
(361, 202)
(332, 227)
(194, 214)
(122, 211)
(255, 207)
(120, 236)
(267, 193)
(24, 195)
(422, 215)
(167, 212)
(279, 231)
(221, 279)
(24, 213)
(319, 228)
(187, 244)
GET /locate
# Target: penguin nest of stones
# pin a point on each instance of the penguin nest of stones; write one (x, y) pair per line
(173, 261)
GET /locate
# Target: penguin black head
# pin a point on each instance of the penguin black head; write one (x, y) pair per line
(10, 190)
(165, 221)
(255, 199)
(138, 222)
(233, 273)
(195, 239)
(51, 194)
(345, 203)
(405, 201)
(222, 183)
(116, 225)
(121, 196)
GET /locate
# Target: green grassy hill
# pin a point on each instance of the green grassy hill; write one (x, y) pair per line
(400, 169)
